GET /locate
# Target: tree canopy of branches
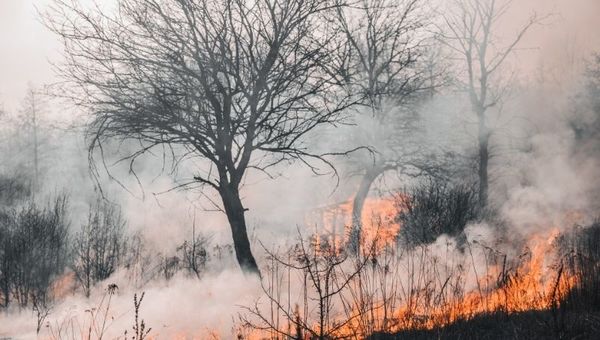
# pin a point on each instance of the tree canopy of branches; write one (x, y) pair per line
(236, 83)
(470, 31)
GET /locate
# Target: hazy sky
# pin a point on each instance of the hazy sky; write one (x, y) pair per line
(26, 46)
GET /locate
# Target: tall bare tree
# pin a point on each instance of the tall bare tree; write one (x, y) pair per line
(387, 44)
(237, 83)
(31, 123)
(470, 30)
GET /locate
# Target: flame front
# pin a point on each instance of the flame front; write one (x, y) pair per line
(426, 290)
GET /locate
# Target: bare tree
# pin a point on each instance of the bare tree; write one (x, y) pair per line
(585, 120)
(33, 129)
(470, 32)
(237, 83)
(31, 111)
(386, 40)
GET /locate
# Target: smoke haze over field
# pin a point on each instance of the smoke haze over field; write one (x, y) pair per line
(541, 176)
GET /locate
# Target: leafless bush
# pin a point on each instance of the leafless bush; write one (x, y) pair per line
(325, 272)
(41, 309)
(33, 252)
(168, 266)
(99, 248)
(434, 208)
(194, 255)
(582, 260)
(13, 189)
(191, 257)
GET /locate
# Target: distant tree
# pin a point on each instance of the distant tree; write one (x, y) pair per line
(237, 83)
(470, 31)
(100, 246)
(387, 65)
(30, 124)
(586, 119)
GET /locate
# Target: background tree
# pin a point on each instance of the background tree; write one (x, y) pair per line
(30, 123)
(237, 83)
(29, 132)
(386, 42)
(469, 30)
(586, 118)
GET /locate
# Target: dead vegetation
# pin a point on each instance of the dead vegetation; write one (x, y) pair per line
(316, 291)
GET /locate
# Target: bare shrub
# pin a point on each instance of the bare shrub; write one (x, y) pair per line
(190, 257)
(14, 189)
(168, 266)
(433, 208)
(99, 248)
(194, 255)
(582, 260)
(33, 252)
(325, 272)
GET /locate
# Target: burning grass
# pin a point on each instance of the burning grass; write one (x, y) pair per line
(474, 286)
(426, 288)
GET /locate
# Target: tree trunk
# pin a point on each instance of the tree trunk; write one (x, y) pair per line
(484, 138)
(237, 221)
(358, 204)
(36, 171)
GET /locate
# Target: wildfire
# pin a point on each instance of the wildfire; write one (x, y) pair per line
(378, 222)
(534, 285)
(535, 280)
(401, 289)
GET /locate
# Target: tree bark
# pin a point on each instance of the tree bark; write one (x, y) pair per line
(237, 221)
(358, 204)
